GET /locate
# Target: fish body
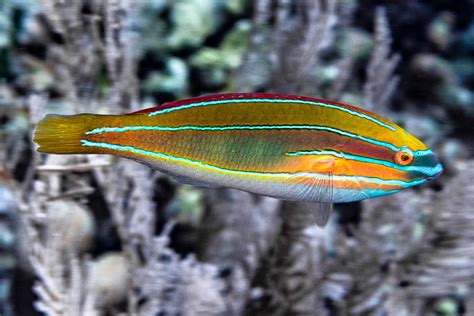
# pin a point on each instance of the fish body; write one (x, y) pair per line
(288, 147)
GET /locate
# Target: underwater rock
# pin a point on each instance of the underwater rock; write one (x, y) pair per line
(193, 21)
(453, 151)
(354, 41)
(73, 222)
(38, 77)
(351, 98)
(432, 67)
(7, 202)
(151, 27)
(17, 126)
(215, 64)
(8, 217)
(109, 278)
(5, 24)
(15, 16)
(447, 307)
(464, 69)
(437, 79)
(235, 6)
(440, 30)
(456, 96)
(465, 42)
(153, 6)
(427, 74)
(173, 80)
(327, 74)
(7, 241)
(187, 205)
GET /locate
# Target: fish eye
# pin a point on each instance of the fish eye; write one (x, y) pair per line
(403, 157)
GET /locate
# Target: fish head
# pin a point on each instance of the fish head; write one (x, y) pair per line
(410, 163)
(416, 159)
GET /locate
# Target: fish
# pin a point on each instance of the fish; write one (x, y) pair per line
(292, 148)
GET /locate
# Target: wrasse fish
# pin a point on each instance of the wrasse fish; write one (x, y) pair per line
(288, 147)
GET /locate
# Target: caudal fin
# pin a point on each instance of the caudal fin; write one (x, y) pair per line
(62, 134)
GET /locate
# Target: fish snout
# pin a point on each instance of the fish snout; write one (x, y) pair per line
(437, 171)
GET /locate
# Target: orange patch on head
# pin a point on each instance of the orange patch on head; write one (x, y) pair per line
(312, 163)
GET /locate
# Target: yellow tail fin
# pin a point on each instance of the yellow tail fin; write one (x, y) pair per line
(62, 134)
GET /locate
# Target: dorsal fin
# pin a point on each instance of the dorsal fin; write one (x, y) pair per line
(245, 95)
(205, 98)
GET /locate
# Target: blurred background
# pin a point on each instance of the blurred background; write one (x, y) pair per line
(98, 235)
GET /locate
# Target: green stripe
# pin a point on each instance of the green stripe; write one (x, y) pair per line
(331, 106)
(149, 153)
(244, 127)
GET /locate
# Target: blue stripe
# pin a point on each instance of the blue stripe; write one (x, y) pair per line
(330, 106)
(429, 171)
(246, 127)
(404, 184)
(425, 152)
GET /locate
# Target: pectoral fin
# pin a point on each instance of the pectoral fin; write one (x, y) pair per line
(322, 210)
(318, 189)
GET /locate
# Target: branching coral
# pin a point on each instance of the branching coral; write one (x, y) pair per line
(381, 83)
(415, 249)
(63, 285)
(160, 281)
(237, 230)
(443, 264)
(168, 285)
(256, 255)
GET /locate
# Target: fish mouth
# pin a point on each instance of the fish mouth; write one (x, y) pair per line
(439, 171)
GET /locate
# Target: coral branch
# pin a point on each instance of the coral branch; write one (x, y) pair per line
(381, 83)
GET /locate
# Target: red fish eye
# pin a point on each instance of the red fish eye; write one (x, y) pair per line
(403, 158)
